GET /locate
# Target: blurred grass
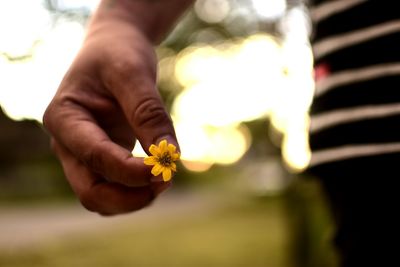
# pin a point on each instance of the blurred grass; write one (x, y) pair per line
(249, 233)
(290, 229)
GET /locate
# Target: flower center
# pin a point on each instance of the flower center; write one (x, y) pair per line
(165, 159)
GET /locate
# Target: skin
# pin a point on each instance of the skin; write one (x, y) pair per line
(108, 100)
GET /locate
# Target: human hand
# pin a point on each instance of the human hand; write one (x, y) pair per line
(106, 101)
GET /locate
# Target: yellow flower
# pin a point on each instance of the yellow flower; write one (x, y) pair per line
(163, 158)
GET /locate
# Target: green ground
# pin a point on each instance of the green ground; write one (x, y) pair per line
(246, 231)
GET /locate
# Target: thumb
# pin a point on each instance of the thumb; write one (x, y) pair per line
(144, 109)
(150, 121)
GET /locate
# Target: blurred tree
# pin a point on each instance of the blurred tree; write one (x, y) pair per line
(27, 165)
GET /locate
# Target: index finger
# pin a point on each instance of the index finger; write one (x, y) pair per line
(75, 129)
(100, 196)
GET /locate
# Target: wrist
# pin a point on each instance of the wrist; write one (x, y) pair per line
(153, 18)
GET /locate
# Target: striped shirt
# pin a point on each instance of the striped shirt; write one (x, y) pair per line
(356, 108)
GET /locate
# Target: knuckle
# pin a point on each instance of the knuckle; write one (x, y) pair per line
(145, 199)
(129, 70)
(55, 112)
(87, 201)
(48, 116)
(125, 68)
(92, 157)
(150, 113)
(53, 145)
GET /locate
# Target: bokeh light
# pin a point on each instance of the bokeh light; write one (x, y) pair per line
(212, 11)
(30, 84)
(229, 83)
(235, 81)
(20, 27)
(218, 85)
(270, 10)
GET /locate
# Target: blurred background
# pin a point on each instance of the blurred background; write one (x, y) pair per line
(236, 76)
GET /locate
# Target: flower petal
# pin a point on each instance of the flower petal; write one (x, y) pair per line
(171, 148)
(173, 166)
(167, 174)
(157, 169)
(150, 160)
(162, 146)
(154, 150)
(175, 156)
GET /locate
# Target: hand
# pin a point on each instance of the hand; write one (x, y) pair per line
(106, 101)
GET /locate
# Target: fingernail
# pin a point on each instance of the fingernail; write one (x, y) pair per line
(156, 179)
(170, 140)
